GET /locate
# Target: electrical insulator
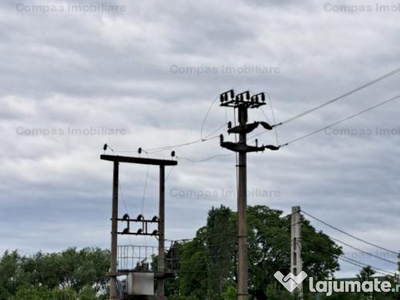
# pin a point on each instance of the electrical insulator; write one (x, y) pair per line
(272, 147)
(222, 97)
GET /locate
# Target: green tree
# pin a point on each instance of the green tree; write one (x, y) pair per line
(63, 273)
(269, 249)
(88, 293)
(221, 245)
(193, 267)
(214, 250)
(11, 274)
(64, 294)
(29, 292)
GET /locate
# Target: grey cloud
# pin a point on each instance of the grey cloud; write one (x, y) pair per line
(114, 70)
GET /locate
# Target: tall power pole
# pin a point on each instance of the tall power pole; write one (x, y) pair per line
(114, 232)
(296, 263)
(242, 102)
(161, 237)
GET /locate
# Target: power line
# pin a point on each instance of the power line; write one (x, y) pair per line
(205, 118)
(361, 265)
(201, 133)
(160, 149)
(216, 130)
(357, 263)
(348, 234)
(208, 235)
(145, 188)
(169, 173)
(352, 263)
(365, 252)
(202, 140)
(170, 147)
(273, 118)
(341, 97)
(343, 120)
(205, 159)
(377, 270)
(164, 148)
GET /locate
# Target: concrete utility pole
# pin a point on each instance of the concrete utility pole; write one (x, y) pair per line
(398, 263)
(296, 263)
(114, 233)
(161, 236)
(114, 272)
(242, 210)
(243, 102)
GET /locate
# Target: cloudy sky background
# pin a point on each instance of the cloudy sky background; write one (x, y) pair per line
(130, 71)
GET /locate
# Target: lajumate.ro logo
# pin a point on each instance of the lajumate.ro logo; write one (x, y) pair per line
(291, 282)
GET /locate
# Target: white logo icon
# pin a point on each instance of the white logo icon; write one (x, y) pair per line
(290, 282)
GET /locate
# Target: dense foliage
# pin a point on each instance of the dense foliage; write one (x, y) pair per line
(206, 264)
(70, 274)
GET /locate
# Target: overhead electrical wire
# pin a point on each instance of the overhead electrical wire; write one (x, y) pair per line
(333, 124)
(362, 251)
(273, 118)
(362, 265)
(145, 188)
(169, 147)
(207, 138)
(352, 263)
(348, 234)
(387, 75)
(341, 121)
(359, 263)
(202, 139)
(205, 118)
(169, 173)
(205, 159)
(376, 269)
(395, 71)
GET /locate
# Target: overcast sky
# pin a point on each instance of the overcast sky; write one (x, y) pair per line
(149, 70)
